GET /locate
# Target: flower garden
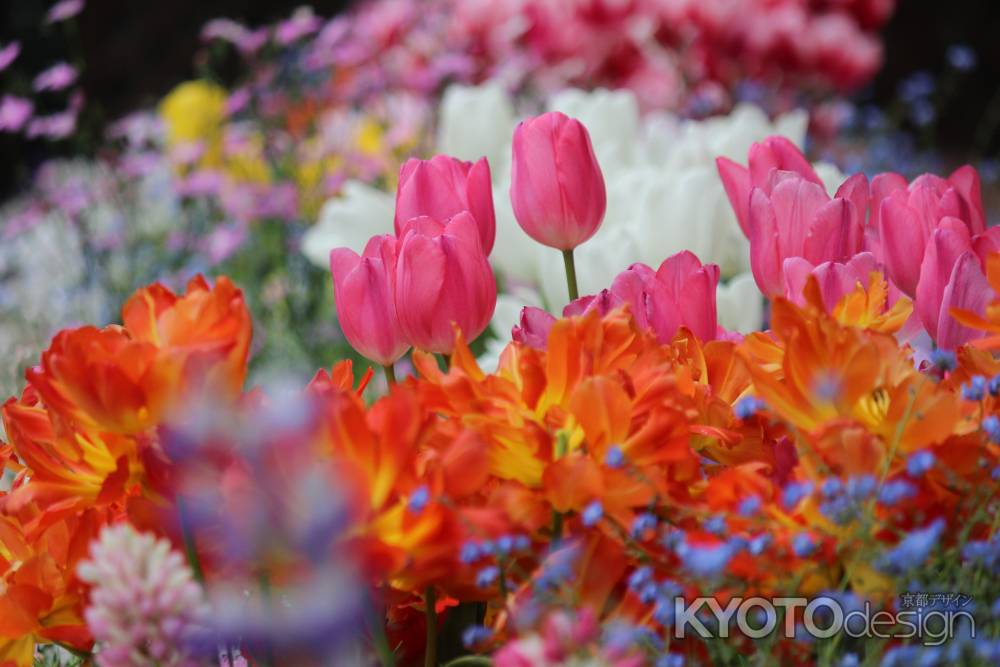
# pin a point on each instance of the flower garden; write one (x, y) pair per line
(497, 333)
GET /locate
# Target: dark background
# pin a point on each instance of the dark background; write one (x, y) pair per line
(134, 52)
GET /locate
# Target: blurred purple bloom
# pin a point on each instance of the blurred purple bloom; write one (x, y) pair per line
(14, 113)
(223, 241)
(8, 54)
(301, 23)
(57, 77)
(54, 127)
(61, 11)
(245, 40)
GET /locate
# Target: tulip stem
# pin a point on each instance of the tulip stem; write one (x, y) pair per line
(430, 604)
(390, 374)
(570, 264)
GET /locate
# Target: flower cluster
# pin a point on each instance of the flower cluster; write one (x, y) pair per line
(625, 454)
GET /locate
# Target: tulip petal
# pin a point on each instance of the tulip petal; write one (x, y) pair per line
(736, 181)
(967, 290)
(947, 243)
(903, 243)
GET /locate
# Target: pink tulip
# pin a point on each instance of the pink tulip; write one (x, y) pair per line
(836, 279)
(443, 279)
(533, 329)
(363, 289)
(952, 276)
(773, 154)
(443, 187)
(798, 219)
(908, 215)
(557, 189)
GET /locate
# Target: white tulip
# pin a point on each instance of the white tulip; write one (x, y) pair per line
(477, 121)
(348, 221)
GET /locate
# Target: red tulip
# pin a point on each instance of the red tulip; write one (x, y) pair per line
(363, 289)
(557, 189)
(443, 187)
(443, 279)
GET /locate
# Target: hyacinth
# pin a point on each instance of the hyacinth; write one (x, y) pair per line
(145, 606)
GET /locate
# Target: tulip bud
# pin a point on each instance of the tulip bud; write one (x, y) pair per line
(363, 289)
(557, 190)
(443, 187)
(443, 279)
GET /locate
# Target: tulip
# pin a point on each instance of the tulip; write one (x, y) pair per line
(798, 219)
(443, 279)
(533, 328)
(836, 279)
(443, 187)
(557, 189)
(363, 289)
(680, 293)
(952, 276)
(908, 215)
(774, 153)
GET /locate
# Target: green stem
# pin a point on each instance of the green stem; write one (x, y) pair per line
(385, 655)
(470, 661)
(570, 264)
(390, 374)
(557, 528)
(190, 549)
(430, 604)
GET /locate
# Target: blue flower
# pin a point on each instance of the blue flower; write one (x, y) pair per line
(795, 492)
(641, 524)
(913, 549)
(919, 463)
(670, 660)
(640, 577)
(474, 635)
(705, 561)
(487, 576)
(419, 499)
(504, 545)
(991, 426)
(747, 407)
(470, 553)
(861, 487)
(975, 389)
(831, 487)
(715, 525)
(994, 386)
(749, 506)
(944, 360)
(894, 491)
(592, 513)
(758, 544)
(961, 57)
(615, 458)
(803, 545)
(663, 612)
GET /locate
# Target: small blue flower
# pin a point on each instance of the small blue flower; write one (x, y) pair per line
(715, 525)
(795, 492)
(944, 360)
(670, 660)
(475, 635)
(894, 491)
(663, 612)
(522, 543)
(831, 486)
(961, 57)
(840, 510)
(758, 544)
(615, 458)
(747, 407)
(803, 545)
(705, 561)
(749, 506)
(861, 487)
(487, 548)
(470, 553)
(649, 592)
(640, 577)
(913, 549)
(419, 499)
(504, 545)
(919, 463)
(592, 513)
(487, 576)
(975, 389)
(849, 660)
(991, 426)
(642, 524)
(994, 386)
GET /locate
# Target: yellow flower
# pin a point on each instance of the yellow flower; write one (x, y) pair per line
(194, 112)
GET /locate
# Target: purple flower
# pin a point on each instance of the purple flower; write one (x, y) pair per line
(56, 77)
(54, 127)
(301, 23)
(14, 113)
(66, 9)
(8, 54)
